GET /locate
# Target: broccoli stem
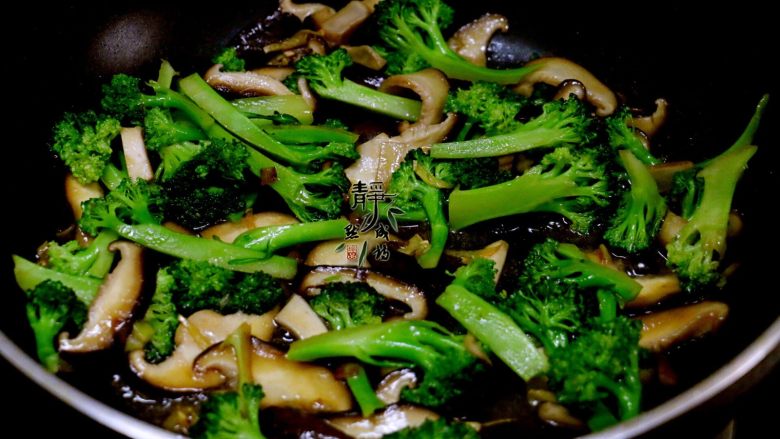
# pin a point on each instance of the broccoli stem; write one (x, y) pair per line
(302, 134)
(45, 330)
(269, 239)
(746, 138)
(165, 75)
(167, 98)
(294, 105)
(221, 254)
(29, 275)
(495, 146)
(374, 100)
(361, 389)
(494, 328)
(105, 258)
(225, 113)
(433, 204)
(528, 193)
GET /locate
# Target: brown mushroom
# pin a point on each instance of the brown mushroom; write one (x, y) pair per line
(227, 232)
(382, 155)
(557, 415)
(77, 193)
(432, 87)
(671, 227)
(387, 286)
(652, 123)
(655, 288)
(245, 83)
(664, 329)
(471, 40)
(339, 27)
(664, 173)
(305, 10)
(134, 149)
(114, 304)
(389, 389)
(298, 317)
(286, 383)
(278, 73)
(392, 419)
(366, 56)
(195, 334)
(305, 39)
(306, 93)
(327, 253)
(496, 252)
(554, 71)
(571, 87)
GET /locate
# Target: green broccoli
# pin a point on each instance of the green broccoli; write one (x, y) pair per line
(438, 429)
(401, 63)
(155, 332)
(160, 130)
(551, 312)
(94, 259)
(490, 107)
(641, 211)
(129, 211)
(572, 183)
(51, 307)
(447, 366)
(360, 386)
(198, 285)
(348, 304)
(466, 300)
(324, 73)
(230, 60)
(463, 173)
(561, 122)
(209, 187)
(599, 369)
(83, 142)
(623, 136)
(172, 157)
(414, 29)
(414, 194)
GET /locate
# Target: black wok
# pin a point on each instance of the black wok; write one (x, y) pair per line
(711, 65)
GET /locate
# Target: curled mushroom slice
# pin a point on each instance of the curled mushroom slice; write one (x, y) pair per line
(390, 420)
(471, 40)
(339, 27)
(302, 38)
(571, 87)
(554, 71)
(77, 193)
(664, 173)
(278, 73)
(387, 286)
(305, 10)
(558, 415)
(432, 87)
(229, 231)
(655, 288)
(113, 305)
(134, 149)
(382, 155)
(652, 123)
(496, 252)
(195, 334)
(389, 389)
(245, 83)
(298, 317)
(285, 383)
(664, 329)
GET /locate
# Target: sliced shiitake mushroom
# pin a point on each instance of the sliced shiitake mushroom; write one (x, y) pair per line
(471, 40)
(245, 83)
(77, 193)
(136, 159)
(390, 420)
(432, 87)
(664, 329)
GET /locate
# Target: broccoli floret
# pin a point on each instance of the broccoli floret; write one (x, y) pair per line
(51, 307)
(414, 194)
(83, 142)
(94, 260)
(233, 414)
(623, 136)
(697, 250)
(463, 173)
(600, 369)
(561, 122)
(234, 121)
(172, 158)
(400, 63)
(414, 29)
(490, 107)
(568, 266)
(641, 211)
(438, 429)
(160, 130)
(550, 313)
(311, 197)
(199, 285)
(466, 300)
(128, 211)
(230, 60)
(347, 305)
(155, 332)
(447, 366)
(572, 183)
(324, 73)
(209, 187)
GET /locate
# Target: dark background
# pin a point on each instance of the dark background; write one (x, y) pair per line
(711, 64)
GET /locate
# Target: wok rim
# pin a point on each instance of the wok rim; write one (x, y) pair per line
(753, 355)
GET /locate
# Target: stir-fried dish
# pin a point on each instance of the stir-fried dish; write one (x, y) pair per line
(366, 231)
